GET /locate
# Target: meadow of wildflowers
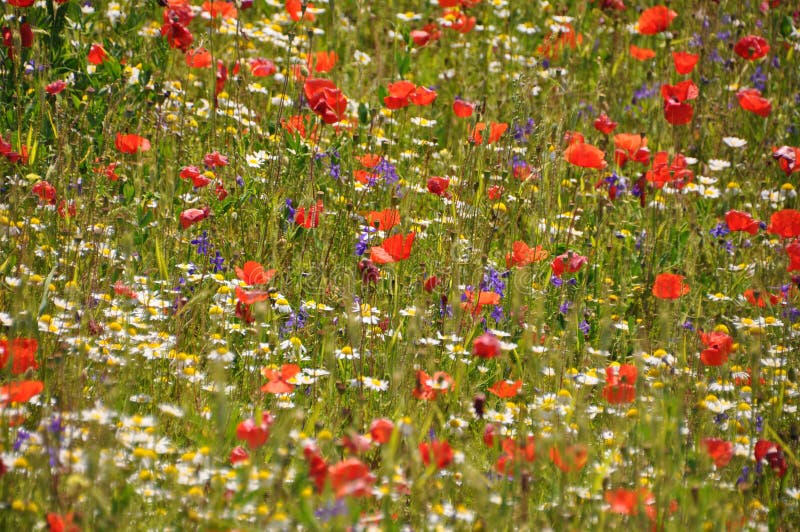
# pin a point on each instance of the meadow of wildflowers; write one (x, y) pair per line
(430, 264)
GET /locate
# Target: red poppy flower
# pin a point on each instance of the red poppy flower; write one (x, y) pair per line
(438, 186)
(793, 250)
(121, 289)
(383, 220)
(8, 40)
(301, 125)
(617, 5)
(220, 78)
(569, 262)
(505, 389)
(459, 21)
(676, 110)
(56, 87)
(787, 158)
(641, 54)
(458, 3)
(431, 283)
(399, 94)
(678, 114)
(177, 35)
(773, 454)
(484, 298)
(585, 156)
(684, 62)
(238, 455)
(629, 146)
(676, 173)
(496, 131)
(322, 61)
(45, 191)
(670, 286)
(680, 92)
(248, 297)
(423, 96)
(718, 346)
(522, 255)
(260, 67)
(352, 478)
(655, 20)
(356, 443)
(178, 11)
(756, 298)
(196, 175)
(462, 108)
(317, 468)
(381, 430)
(220, 9)
(279, 380)
(785, 223)
(751, 47)
(25, 35)
(429, 387)
(394, 249)
(110, 171)
(220, 191)
(429, 32)
(67, 209)
(751, 100)
(627, 502)
(61, 523)
(620, 384)
(437, 452)
(20, 392)
(311, 219)
(572, 460)
(370, 160)
(495, 192)
(720, 451)
(20, 3)
(604, 124)
(253, 273)
(22, 352)
(97, 55)
(486, 346)
(190, 217)
(215, 160)
(198, 58)
(131, 143)
(325, 99)
(295, 10)
(514, 455)
(255, 435)
(741, 221)
(557, 42)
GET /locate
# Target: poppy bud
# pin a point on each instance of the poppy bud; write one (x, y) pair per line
(431, 283)
(488, 435)
(26, 34)
(8, 41)
(478, 403)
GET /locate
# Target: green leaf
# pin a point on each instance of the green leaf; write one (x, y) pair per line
(113, 68)
(403, 63)
(128, 192)
(787, 28)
